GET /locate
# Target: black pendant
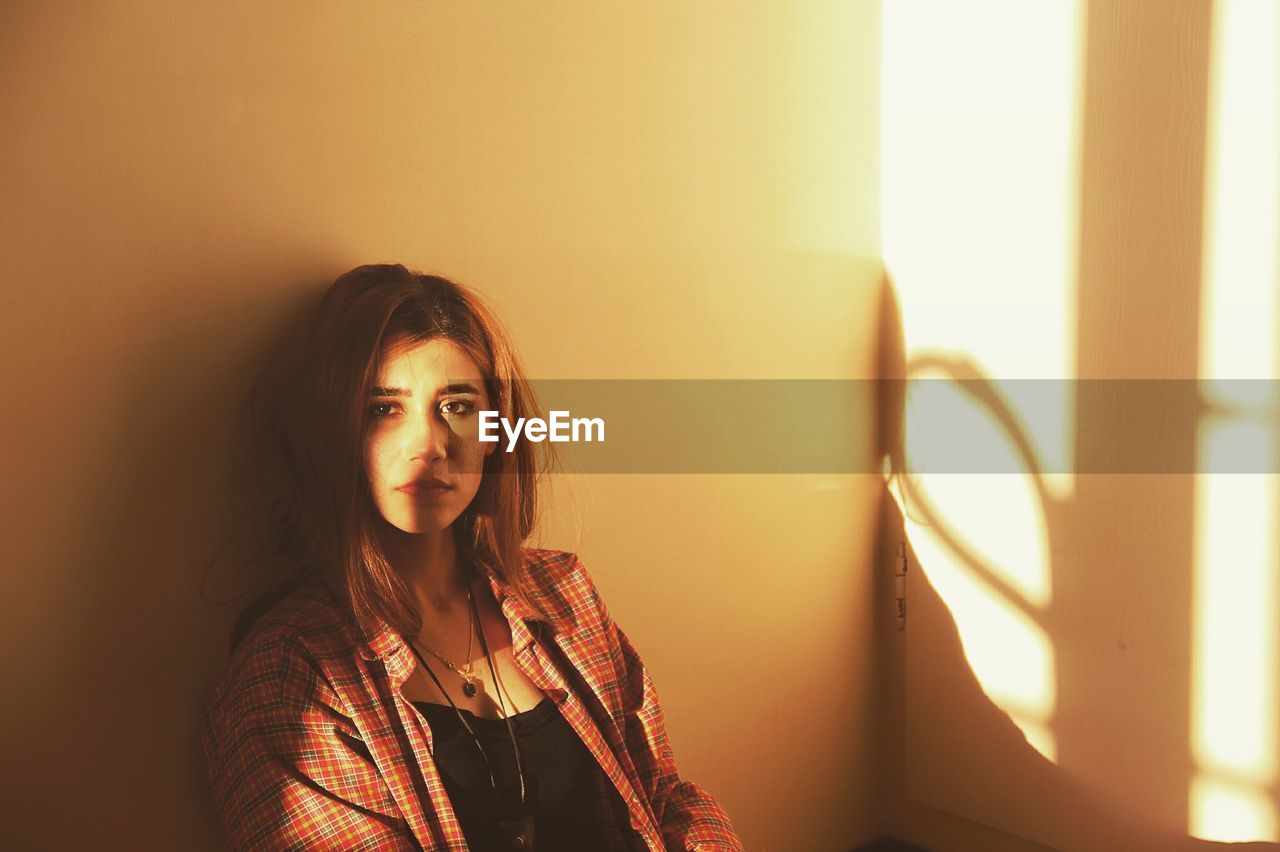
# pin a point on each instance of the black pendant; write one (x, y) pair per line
(519, 832)
(469, 689)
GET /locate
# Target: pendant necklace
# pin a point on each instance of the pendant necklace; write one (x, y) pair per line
(470, 685)
(517, 829)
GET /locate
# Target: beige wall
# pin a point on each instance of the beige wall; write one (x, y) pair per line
(662, 190)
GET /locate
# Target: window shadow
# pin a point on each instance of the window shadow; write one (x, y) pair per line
(1029, 800)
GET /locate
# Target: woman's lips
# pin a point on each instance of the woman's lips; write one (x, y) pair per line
(426, 487)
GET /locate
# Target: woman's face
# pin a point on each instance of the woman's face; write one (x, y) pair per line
(422, 452)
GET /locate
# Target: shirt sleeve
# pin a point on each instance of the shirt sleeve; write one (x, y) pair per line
(286, 765)
(690, 818)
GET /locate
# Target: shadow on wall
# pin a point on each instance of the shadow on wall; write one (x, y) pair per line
(259, 572)
(985, 786)
(106, 733)
(239, 581)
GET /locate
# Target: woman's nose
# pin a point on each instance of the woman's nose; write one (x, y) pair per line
(430, 437)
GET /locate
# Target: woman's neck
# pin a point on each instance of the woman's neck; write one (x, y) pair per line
(430, 565)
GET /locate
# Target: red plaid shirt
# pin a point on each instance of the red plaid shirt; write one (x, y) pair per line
(310, 743)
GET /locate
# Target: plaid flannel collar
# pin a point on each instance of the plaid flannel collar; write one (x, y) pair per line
(389, 646)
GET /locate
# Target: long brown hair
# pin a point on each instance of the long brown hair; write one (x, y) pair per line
(309, 499)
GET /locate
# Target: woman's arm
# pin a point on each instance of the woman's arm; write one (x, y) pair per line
(287, 767)
(689, 817)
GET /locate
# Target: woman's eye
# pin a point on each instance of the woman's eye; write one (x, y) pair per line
(457, 408)
(380, 409)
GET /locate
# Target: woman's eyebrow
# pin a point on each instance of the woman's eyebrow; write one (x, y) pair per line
(459, 387)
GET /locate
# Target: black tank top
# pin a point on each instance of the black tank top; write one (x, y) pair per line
(560, 776)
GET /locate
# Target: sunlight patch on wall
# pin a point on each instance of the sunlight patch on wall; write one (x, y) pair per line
(995, 519)
(1230, 812)
(1241, 220)
(1234, 658)
(980, 174)
(1234, 718)
(1010, 654)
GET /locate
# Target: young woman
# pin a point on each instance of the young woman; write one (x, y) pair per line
(426, 681)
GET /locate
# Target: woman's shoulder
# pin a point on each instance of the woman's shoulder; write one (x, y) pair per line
(290, 654)
(550, 569)
(552, 564)
(561, 586)
(299, 627)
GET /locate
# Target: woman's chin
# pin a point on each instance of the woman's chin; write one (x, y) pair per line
(423, 524)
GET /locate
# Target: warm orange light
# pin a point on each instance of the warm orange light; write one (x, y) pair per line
(980, 169)
(1233, 718)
